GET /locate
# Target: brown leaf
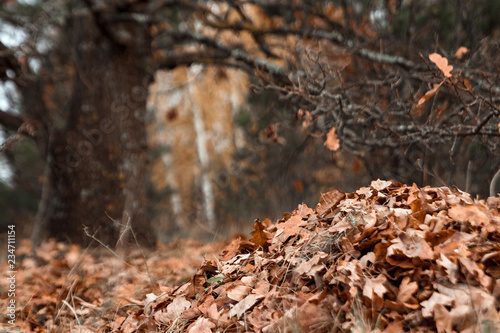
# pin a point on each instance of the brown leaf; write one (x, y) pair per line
(232, 249)
(474, 273)
(429, 94)
(289, 228)
(406, 290)
(436, 298)
(238, 292)
(444, 322)
(375, 286)
(441, 63)
(450, 268)
(260, 237)
(332, 142)
(201, 325)
(303, 211)
(412, 245)
(329, 202)
(244, 305)
(177, 307)
(474, 214)
(461, 51)
(394, 327)
(380, 185)
(310, 267)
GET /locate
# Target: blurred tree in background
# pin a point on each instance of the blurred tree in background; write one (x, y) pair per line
(352, 75)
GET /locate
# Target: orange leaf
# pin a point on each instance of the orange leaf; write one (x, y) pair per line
(201, 325)
(259, 236)
(329, 201)
(232, 249)
(375, 286)
(462, 50)
(332, 141)
(441, 63)
(406, 290)
(303, 211)
(429, 94)
(289, 228)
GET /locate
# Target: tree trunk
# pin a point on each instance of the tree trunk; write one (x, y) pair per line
(97, 149)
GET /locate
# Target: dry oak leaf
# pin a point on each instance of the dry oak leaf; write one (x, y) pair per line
(394, 327)
(289, 228)
(442, 63)
(303, 211)
(380, 185)
(450, 268)
(238, 292)
(474, 214)
(312, 266)
(443, 319)
(473, 271)
(375, 286)
(260, 237)
(406, 290)
(436, 298)
(177, 307)
(201, 325)
(232, 249)
(332, 141)
(244, 305)
(329, 201)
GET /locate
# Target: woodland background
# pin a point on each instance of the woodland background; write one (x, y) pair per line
(192, 118)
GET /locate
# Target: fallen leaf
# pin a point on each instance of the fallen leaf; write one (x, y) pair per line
(201, 325)
(380, 185)
(304, 211)
(290, 227)
(412, 245)
(260, 236)
(232, 249)
(444, 322)
(394, 327)
(244, 305)
(329, 201)
(177, 307)
(436, 298)
(450, 268)
(474, 214)
(375, 286)
(238, 292)
(406, 290)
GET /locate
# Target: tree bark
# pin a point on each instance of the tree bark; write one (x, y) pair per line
(97, 150)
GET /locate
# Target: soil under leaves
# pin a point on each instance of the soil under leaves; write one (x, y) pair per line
(386, 258)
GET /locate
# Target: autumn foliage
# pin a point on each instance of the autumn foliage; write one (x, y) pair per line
(385, 258)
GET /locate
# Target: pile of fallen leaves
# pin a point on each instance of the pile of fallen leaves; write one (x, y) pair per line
(386, 258)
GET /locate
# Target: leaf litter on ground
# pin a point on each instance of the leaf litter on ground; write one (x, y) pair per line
(385, 258)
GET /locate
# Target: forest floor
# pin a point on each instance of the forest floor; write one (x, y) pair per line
(386, 258)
